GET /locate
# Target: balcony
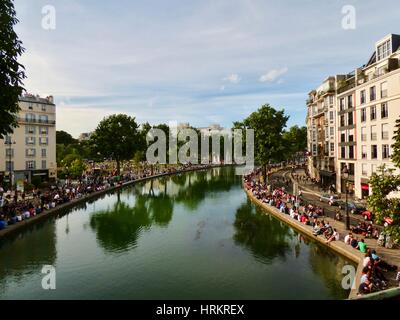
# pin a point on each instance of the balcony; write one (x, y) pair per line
(36, 121)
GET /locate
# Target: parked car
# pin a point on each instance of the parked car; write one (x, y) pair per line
(368, 215)
(354, 208)
(330, 199)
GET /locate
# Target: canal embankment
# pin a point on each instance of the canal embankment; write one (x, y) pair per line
(338, 247)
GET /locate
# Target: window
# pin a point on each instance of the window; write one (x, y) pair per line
(30, 165)
(364, 152)
(44, 130)
(44, 153)
(372, 93)
(43, 119)
(343, 152)
(362, 97)
(332, 147)
(351, 137)
(363, 134)
(330, 115)
(373, 112)
(364, 169)
(351, 152)
(7, 140)
(385, 151)
(373, 133)
(350, 118)
(30, 140)
(383, 89)
(30, 106)
(9, 152)
(342, 122)
(332, 131)
(341, 104)
(330, 100)
(44, 164)
(349, 102)
(384, 110)
(43, 140)
(363, 115)
(385, 131)
(374, 151)
(30, 129)
(384, 50)
(9, 165)
(373, 168)
(43, 107)
(343, 137)
(30, 152)
(30, 117)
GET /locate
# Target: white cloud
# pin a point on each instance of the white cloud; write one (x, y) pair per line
(233, 78)
(273, 75)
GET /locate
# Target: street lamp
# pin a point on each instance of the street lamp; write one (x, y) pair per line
(9, 143)
(345, 173)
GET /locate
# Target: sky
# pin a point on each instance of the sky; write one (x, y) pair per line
(197, 61)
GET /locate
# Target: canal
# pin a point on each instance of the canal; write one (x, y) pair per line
(187, 236)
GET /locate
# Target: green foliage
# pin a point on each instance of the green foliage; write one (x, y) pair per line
(65, 138)
(295, 140)
(268, 125)
(11, 72)
(117, 137)
(36, 181)
(382, 183)
(396, 146)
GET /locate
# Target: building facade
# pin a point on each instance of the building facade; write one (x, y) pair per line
(30, 151)
(321, 123)
(366, 107)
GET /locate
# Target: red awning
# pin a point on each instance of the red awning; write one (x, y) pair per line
(364, 186)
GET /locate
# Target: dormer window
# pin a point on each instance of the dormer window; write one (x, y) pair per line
(384, 50)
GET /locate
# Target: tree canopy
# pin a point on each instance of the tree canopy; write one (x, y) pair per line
(268, 125)
(11, 71)
(117, 137)
(65, 138)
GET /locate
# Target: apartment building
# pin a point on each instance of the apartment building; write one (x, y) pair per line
(377, 100)
(366, 107)
(31, 149)
(321, 133)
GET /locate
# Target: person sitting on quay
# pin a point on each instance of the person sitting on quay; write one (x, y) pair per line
(362, 246)
(348, 238)
(334, 237)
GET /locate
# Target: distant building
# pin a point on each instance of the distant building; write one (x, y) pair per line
(85, 136)
(214, 128)
(31, 149)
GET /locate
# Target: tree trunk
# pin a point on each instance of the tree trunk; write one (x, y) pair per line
(118, 166)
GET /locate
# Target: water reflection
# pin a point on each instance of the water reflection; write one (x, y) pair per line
(118, 228)
(265, 237)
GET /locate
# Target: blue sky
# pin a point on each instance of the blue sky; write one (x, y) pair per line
(198, 61)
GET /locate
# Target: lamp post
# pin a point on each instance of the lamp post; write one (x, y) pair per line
(9, 143)
(345, 174)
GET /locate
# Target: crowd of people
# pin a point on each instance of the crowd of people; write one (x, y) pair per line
(373, 278)
(17, 206)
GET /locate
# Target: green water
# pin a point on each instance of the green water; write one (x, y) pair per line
(189, 236)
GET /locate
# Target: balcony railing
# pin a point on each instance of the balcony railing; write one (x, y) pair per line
(41, 121)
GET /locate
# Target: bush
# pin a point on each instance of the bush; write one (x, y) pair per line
(36, 181)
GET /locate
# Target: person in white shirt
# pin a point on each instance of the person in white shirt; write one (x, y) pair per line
(347, 238)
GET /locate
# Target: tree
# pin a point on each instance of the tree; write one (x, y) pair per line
(295, 140)
(11, 71)
(117, 137)
(65, 138)
(396, 146)
(384, 201)
(268, 125)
